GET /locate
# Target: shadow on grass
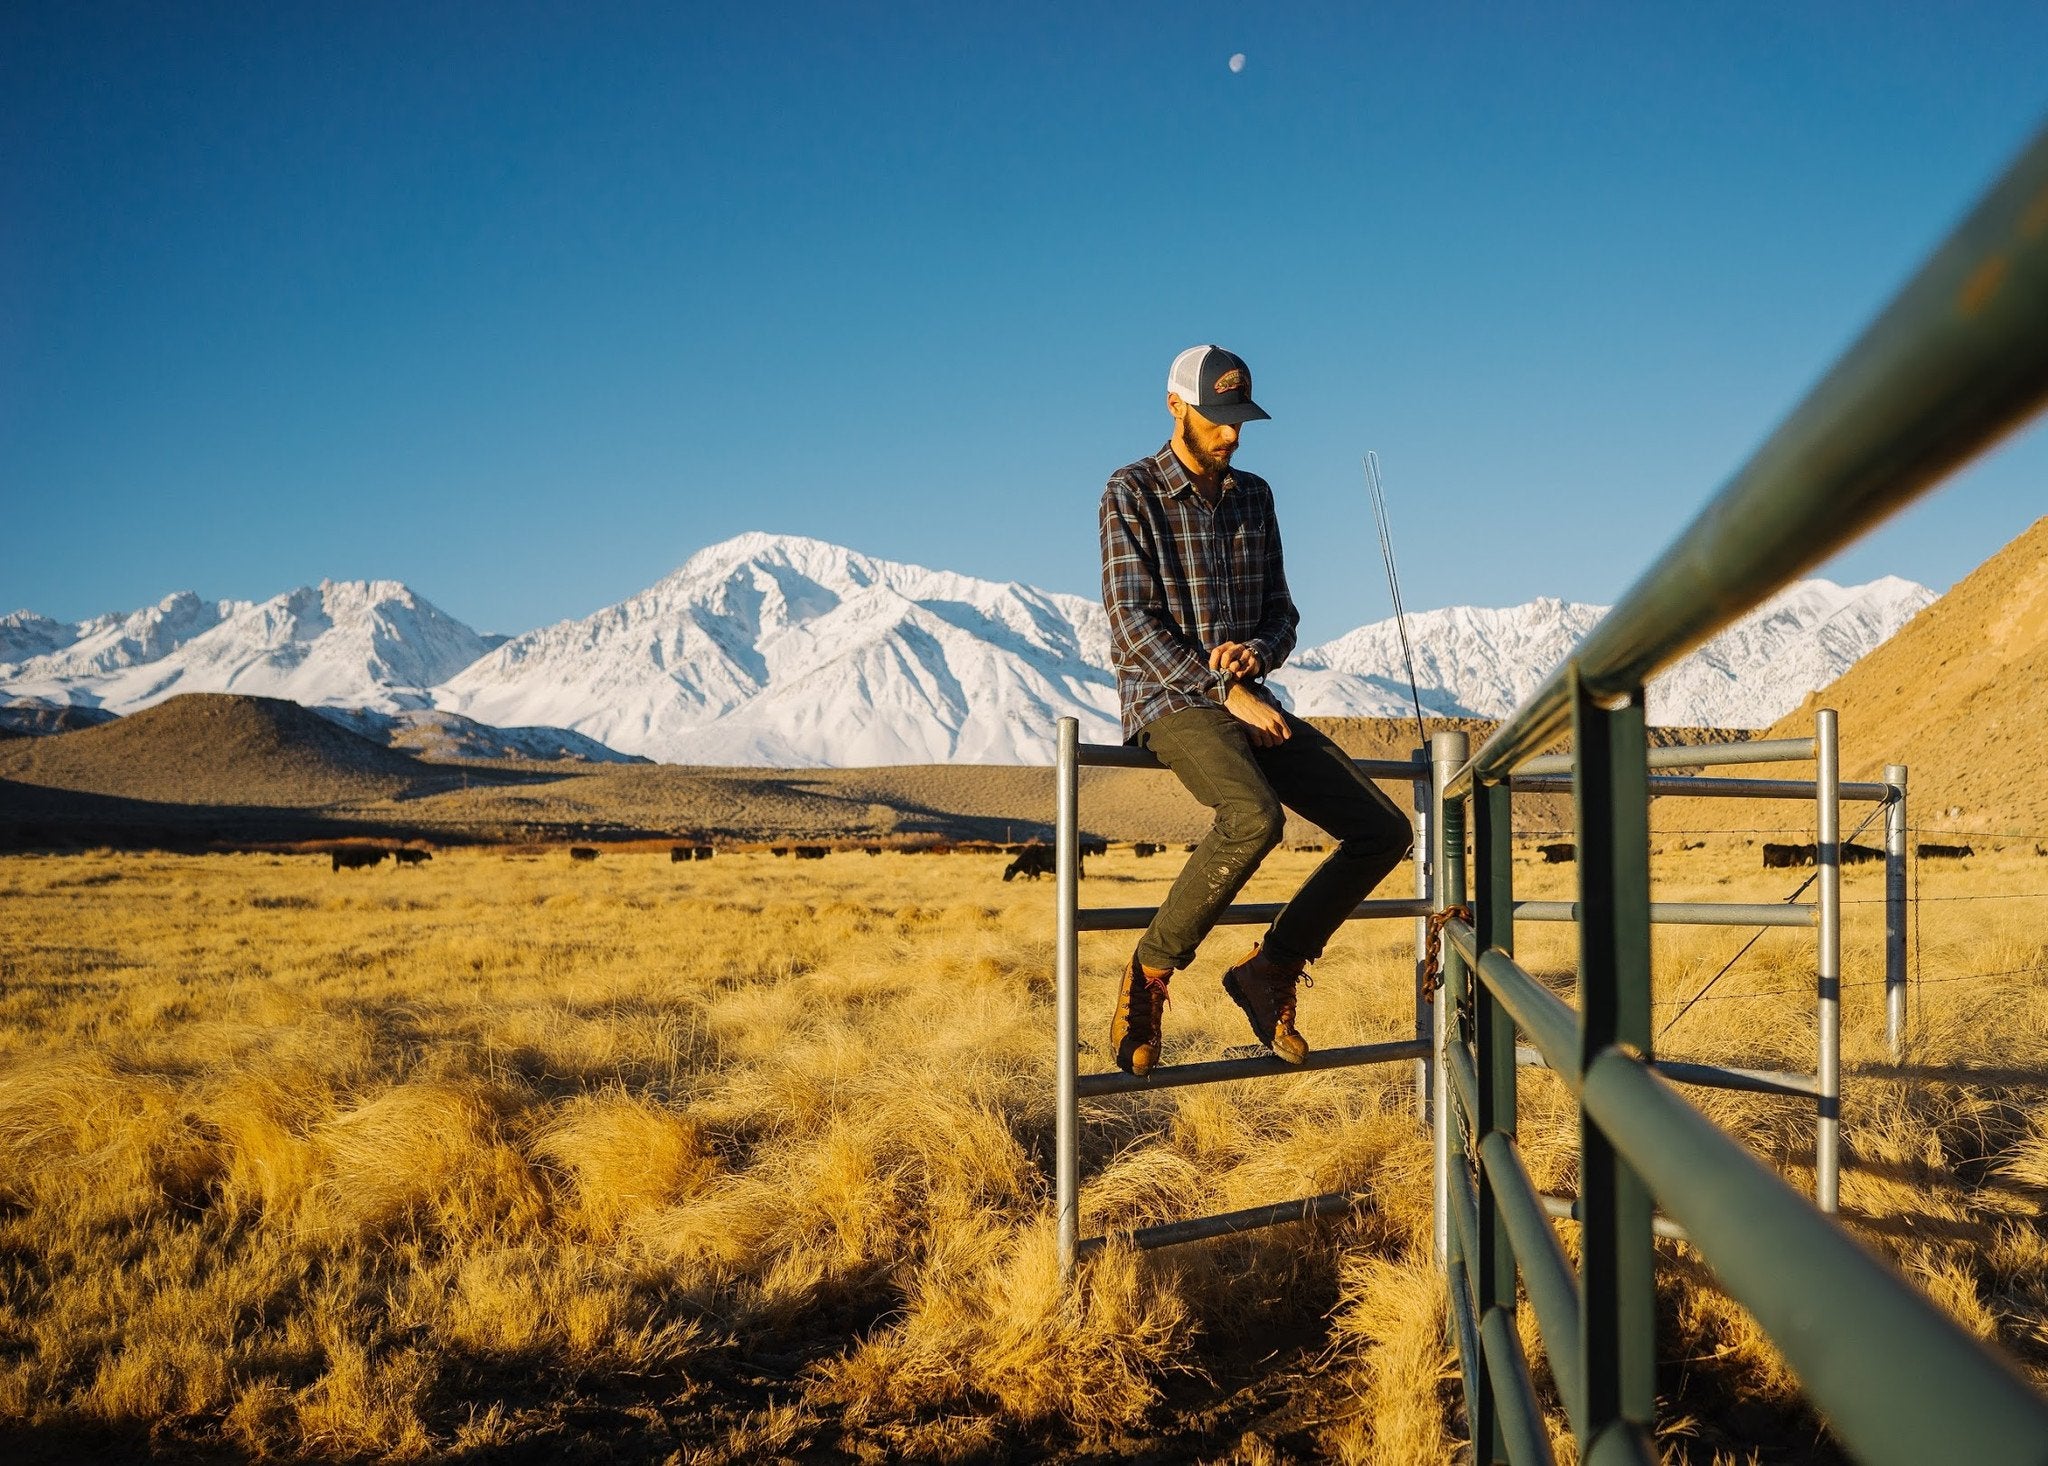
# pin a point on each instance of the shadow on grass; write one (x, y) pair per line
(1984, 1076)
(36, 818)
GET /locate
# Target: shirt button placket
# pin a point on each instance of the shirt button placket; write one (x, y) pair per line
(1226, 576)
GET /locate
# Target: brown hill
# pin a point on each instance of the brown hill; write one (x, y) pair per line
(206, 768)
(27, 718)
(218, 749)
(1960, 696)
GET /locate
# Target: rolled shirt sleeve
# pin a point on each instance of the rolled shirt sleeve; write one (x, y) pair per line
(1143, 636)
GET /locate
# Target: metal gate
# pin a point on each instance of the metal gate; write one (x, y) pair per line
(1959, 359)
(1074, 1086)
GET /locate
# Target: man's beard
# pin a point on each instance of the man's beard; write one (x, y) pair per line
(1211, 464)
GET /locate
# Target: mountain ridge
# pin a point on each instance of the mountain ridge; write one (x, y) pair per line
(789, 651)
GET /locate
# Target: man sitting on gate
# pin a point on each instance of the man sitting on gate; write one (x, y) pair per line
(1199, 613)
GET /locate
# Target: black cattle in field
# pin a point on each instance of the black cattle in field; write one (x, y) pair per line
(810, 852)
(358, 859)
(1032, 862)
(1854, 854)
(1094, 847)
(582, 852)
(1785, 857)
(411, 857)
(679, 853)
(871, 850)
(1558, 852)
(1927, 851)
(1144, 849)
(1692, 844)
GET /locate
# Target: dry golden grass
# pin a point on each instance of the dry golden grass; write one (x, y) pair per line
(747, 1161)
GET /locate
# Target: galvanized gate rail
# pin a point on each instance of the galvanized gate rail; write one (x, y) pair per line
(1550, 774)
(1959, 359)
(1074, 1086)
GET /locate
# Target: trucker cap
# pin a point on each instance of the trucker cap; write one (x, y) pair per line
(1216, 383)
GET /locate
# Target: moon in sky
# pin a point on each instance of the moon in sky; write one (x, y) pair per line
(1237, 62)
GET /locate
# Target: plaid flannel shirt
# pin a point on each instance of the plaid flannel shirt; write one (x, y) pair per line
(1179, 578)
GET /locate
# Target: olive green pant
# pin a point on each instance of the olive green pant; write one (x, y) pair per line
(1212, 754)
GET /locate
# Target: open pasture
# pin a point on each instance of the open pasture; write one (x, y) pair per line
(505, 1157)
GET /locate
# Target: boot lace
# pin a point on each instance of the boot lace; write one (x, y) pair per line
(1158, 988)
(1150, 998)
(1284, 989)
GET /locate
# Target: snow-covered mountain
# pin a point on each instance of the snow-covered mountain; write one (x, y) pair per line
(1480, 662)
(788, 651)
(1470, 661)
(35, 647)
(342, 643)
(1797, 642)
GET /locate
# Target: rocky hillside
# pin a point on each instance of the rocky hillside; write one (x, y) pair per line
(1960, 696)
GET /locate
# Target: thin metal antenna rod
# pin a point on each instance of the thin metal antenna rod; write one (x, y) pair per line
(1379, 514)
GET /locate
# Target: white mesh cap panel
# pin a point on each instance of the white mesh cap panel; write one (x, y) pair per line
(1184, 379)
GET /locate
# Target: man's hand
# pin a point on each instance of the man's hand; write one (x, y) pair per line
(1263, 722)
(1238, 658)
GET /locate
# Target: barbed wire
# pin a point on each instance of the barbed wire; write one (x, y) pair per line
(1875, 811)
(1702, 830)
(1914, 860)
(2011, 837)
(1987, 896)
(1855, 982)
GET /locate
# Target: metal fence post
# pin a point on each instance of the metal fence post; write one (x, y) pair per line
(1067, 983)
(1895, 912)
(1827, 1136)
(1459, 1242)
(1618, 1289)
(1494, 1037)
(1424, 1033)
(1448, 752)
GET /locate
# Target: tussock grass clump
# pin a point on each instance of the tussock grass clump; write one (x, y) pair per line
(1390, 1318)
(625, 1157)
(988, 1329)
(97, 1139)
(427, 1157)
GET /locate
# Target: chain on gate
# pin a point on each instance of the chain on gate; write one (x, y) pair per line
(1433, 948)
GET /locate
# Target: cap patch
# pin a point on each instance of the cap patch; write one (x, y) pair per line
(1231, 381)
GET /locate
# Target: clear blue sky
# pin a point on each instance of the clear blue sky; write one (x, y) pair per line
(522, 304)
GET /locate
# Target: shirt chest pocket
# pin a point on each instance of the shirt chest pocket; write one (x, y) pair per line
(1248, 552)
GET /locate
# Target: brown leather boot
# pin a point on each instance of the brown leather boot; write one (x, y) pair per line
(1134, 1028)
(1265, 990)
